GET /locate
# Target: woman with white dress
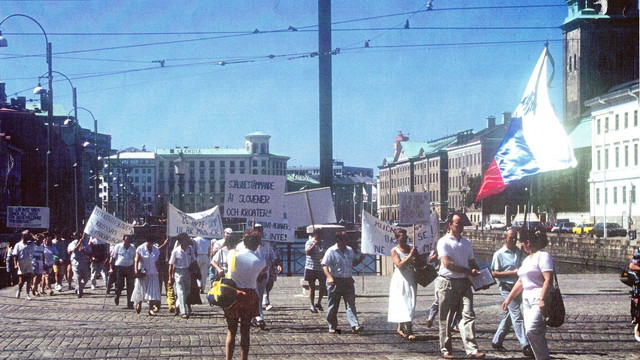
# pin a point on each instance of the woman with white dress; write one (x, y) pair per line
(535, 281)
(147, 284)
(402, 290)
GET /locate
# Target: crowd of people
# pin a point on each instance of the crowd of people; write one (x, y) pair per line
(45, 260)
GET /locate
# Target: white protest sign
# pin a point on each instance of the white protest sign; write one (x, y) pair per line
(28, 217)
(254, 196)
(413, 207)
(106, 227)
(275, 230)
(310, 207)
(426, 234)
(206, 223)
(378, 237)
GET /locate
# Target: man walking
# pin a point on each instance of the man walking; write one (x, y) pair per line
(457, 263)
(504, 267)
(337, 264)
(122, 260)
(79, 253)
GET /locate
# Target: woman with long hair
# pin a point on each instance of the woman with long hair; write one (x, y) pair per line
(402, 290)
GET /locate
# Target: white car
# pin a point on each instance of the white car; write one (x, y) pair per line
(495, 225)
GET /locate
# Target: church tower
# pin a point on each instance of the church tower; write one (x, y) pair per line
(600, 51)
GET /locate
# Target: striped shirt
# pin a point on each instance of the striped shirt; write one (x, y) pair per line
(314, 259)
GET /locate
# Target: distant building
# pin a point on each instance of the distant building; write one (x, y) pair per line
(615, 168)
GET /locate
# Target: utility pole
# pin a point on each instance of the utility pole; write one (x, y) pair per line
(325, 94)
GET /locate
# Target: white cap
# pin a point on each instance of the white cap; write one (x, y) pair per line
(228, 231)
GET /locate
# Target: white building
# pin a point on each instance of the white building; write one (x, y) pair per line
(615, 171)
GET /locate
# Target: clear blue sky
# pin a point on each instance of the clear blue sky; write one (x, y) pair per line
(444, 74)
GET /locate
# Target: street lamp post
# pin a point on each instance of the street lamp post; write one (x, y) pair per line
(3, 43)
(95, 160)
(180, 166)
(75, 191)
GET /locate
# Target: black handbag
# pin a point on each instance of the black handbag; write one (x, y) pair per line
(424, 272)
(553, 310)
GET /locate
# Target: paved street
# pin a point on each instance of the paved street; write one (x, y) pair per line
(63, 326)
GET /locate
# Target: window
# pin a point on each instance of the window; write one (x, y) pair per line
(161, 164)
(212, 175)
(241, 163)
(624, 194)
(626, 155)
(598, 159)
(192, 164)
(635, 117)
(635, 154)
(212, 163)
(606, 124)
(264, 162)
(597, 196)
(617, 121)
(617, 156)
(135, 171)
(626, 120)
(615, 194)
(606, 159)
(221, 163)
(232, 163)
(633, 194)
(212, 186)
(606, 197)
(598, 126)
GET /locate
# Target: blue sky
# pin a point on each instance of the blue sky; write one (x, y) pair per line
(444, 74)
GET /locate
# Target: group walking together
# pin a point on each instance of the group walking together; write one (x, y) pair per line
(187, 266)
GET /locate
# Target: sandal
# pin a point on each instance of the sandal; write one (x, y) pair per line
(138, 307)
(411, 337)
(185, 316)
(402, 333)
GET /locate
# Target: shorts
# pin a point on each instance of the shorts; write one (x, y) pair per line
(313, 275)
(25, 266)
(246, 305)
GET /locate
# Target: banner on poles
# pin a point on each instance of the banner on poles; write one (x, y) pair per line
(27, 217)
(378, 237)
(413, 207)
(206, 223)
(106, 227)
(275, 230)
(310, 207)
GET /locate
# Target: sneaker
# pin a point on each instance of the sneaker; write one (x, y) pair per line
(58, 287)
(500, 347)
(476, 355)
(313, 309)
(262, 325)
(445, 354)
(93, 287)
(335, 331)
(269, 307)
(528, 352)
(28, 297)
(357, 329)
(319, 307)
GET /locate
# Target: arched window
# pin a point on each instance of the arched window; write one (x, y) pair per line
(254, 149)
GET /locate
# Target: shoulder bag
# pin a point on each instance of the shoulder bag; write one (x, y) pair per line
(224, 291)
(424, 272)
(553, 311)
(194, 269)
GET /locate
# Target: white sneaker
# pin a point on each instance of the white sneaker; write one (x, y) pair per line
(269, 307)
(93, 287)
(28, 298)
(58, 287)
(18, 294)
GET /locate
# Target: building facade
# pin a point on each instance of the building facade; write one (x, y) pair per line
(615, 168)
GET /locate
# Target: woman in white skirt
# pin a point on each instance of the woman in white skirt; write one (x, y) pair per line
(402, 290)
(147, 283)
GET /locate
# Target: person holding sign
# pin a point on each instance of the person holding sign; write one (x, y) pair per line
(457, 262)
(79, 252)
(337, 264)
(504, 266)
(402, 290)
(313, 269)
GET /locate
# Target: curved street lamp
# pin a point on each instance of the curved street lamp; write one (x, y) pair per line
(95, 138)
(3, 43)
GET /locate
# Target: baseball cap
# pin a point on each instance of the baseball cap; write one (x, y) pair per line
(228, 230)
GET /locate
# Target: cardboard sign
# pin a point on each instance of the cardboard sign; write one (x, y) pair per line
(310, 207)
(206, 223)
(413, 208)
(27, 217)
(106, 227)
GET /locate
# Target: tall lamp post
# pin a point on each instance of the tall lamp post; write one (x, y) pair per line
(75, 192)
(95, 140)
(3, 43)
(180, 166)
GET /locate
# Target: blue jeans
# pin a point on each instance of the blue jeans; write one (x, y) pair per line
(341, 288)
(509, 318)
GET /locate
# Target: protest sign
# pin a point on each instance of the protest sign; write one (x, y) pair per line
(378, 237)
(106, 227)
(27, 217)
(425, 235)
(310, 207)
(206, 223)
(413, 207)
(259, 198)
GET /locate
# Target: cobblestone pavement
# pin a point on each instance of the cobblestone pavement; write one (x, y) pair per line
(63, 326)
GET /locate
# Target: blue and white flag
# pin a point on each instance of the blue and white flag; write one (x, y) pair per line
(535, 142)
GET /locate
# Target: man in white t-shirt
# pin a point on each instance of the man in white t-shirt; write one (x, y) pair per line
(457, 263)
(216, 245)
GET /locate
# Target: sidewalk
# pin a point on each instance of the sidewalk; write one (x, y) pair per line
(63, 326)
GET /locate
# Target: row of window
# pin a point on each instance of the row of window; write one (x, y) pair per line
(464, 160)
(623, 195)
(617, 157)
(617, 122)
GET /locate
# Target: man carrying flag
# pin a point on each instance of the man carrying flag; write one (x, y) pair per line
(535, 141)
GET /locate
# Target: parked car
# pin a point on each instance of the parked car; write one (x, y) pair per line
(585, 228)
(495, 225)
(613, 229)
(563, 227)
(548, 226)
(532, 225)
